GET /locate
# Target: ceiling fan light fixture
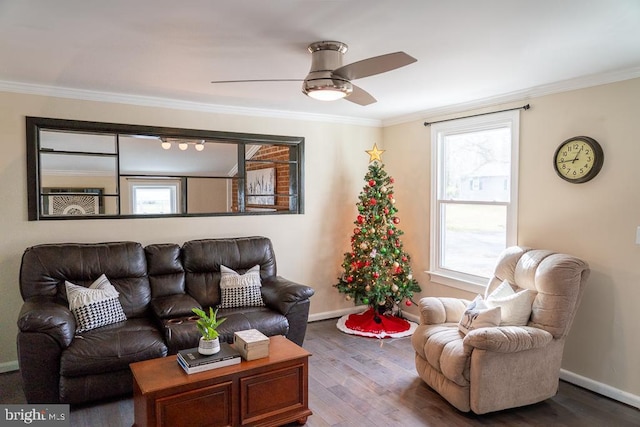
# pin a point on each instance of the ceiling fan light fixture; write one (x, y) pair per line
(183, 146)
(327, 89)
(166, 145)
(200, 146)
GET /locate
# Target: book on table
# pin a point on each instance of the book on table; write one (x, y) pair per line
(192, 361)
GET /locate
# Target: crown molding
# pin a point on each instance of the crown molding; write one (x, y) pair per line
(534, 92)
(149, 101)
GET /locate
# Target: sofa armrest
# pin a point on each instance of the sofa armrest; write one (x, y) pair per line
(282, 295)
(43, 315)
(436, 310)
(508, 339)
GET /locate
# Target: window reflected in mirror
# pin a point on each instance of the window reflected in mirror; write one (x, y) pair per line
(92, 170)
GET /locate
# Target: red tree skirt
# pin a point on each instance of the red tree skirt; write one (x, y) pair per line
(364, 324)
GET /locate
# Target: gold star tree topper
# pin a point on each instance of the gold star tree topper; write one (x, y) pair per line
(374, 153)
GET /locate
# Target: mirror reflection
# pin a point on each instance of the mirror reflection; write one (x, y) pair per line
(82, 170)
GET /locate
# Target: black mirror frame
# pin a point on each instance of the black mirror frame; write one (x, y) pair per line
(35, 124)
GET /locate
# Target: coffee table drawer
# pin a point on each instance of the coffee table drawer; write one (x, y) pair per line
(205, 406)
(274, 393)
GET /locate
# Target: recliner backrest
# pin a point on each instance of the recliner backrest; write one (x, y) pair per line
(558, 279)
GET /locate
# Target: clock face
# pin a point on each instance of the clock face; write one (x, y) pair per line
(578, 159)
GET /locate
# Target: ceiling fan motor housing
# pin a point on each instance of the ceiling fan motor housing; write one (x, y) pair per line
(326, 56)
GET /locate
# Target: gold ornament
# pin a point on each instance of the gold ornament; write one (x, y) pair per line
(367, 288)
(394, 288)
(374, 153)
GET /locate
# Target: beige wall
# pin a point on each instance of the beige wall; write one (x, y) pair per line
(596, 221)
(308, 247)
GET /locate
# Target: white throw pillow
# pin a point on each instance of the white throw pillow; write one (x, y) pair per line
(95, 306)
(516, 306)
(240, 290)
(478, 315)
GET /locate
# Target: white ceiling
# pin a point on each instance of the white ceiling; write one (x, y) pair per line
(166, 51)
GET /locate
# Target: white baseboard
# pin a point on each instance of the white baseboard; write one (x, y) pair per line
(336, 314)
(9, 366)
(600, 388)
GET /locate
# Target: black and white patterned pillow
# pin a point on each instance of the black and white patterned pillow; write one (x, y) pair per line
(95, 306)
(240, 290)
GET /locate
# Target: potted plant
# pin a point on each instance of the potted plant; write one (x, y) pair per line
(207, 325)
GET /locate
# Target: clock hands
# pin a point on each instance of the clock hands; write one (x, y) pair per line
(574, 159)
(577, 154)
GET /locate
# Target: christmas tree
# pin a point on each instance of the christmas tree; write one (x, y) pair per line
(376, 270)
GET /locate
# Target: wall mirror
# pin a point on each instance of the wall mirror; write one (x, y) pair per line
(88, 170)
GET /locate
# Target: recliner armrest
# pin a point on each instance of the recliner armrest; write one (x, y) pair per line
(282, 294)
(508, 339)
(44, 315)
(436, 310)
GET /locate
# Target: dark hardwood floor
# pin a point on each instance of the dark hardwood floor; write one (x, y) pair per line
(355, 381)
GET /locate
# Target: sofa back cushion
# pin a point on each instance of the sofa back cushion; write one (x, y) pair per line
(45, 268)
(202, 260)
(166, 275)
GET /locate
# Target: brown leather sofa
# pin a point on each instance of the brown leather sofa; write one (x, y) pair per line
(158, 286)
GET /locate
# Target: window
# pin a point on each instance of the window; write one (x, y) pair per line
(155, 197)
(473, 197)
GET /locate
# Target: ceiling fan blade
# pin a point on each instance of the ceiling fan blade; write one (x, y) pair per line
(360, 96)
(376, 65)
(256, 81)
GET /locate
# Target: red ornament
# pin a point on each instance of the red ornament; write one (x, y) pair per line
(372, 201)
(386, 211)
(376, 274)
(408, 303)
(349, 279)
(356, 231)
(390, 231)
(396, 220)
(405, 259)
(372, 183)
(367, 263)
(360, 219)
(390, 196)
(391, 180)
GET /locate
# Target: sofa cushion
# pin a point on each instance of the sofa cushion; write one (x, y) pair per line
(95, 306)
(112, 348)
(240, 290)
(263, 319)
(202, 259)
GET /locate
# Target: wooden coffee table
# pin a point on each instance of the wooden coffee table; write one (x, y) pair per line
(264, 392)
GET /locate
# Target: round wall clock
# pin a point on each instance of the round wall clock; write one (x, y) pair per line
(578, 159)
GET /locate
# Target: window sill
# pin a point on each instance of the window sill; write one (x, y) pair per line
(456, 282)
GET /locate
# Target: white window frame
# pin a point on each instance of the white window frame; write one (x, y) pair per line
(175, 186)
(452, 278)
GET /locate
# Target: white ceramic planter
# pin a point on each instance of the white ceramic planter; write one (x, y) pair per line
(208, 347)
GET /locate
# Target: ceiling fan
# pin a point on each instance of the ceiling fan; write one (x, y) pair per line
(329, 80)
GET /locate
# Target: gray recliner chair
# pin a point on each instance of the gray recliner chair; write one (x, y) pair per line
(500, 367)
